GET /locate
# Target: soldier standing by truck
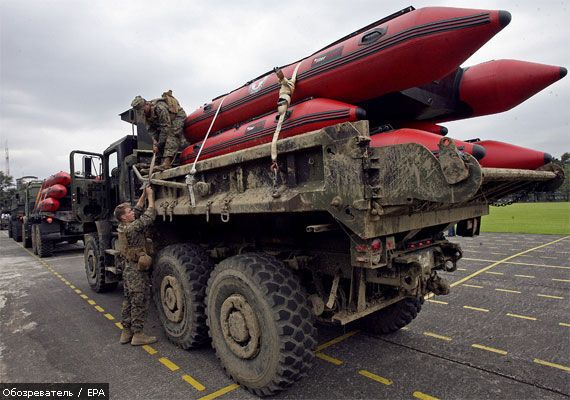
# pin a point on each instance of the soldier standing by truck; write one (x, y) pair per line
(164, 118)
(136, 280)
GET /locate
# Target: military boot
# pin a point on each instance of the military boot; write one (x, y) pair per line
(140, 339)
(166, 164)
(126, 336)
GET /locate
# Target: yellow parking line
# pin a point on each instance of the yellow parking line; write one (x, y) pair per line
(92, 302)
(220, 392)
(437, 301)
(375, 377)
(564, 324)
(517, 263)
(553, 365)
(72, 287)
(149, 349)
(526, 276)
(99, 308)
(462, 269)
(491, 349)
(109, 317)
(521, 316)
(423, 396)
(120, 326)
(330, 359)
(459, 282)
(435, 335)
(193, 382)
(507, 290)
(473, 286)
(336, 340)
(550, 297)
(561, 280)
(476, 308)
(84, 296)
(168, 364)
(78, 291)
(494, 273)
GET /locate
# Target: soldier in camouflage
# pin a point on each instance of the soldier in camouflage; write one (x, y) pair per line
(165, 121)
(136, 280)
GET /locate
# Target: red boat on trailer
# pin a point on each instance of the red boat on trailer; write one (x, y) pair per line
(506, 155)
(427, 139)
(56, 191)
(304, 117)
(406, 49)
(49, 205)
(61, 178)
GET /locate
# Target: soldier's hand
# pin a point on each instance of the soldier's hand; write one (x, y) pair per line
(155, 148)
(148, 191)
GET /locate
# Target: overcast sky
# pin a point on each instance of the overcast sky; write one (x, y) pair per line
(68, 68)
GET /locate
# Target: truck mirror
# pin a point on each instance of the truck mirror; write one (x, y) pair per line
(87, 161)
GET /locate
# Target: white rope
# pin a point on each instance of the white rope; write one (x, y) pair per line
(193, 170)
(282, 116)
(190, 180)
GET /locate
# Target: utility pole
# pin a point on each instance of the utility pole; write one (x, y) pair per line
(7, 166)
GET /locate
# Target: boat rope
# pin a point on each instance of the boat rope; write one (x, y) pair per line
(190, 180)
(285, 93)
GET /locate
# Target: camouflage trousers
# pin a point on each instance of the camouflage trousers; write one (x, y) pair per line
(170, 139)
(136, 285)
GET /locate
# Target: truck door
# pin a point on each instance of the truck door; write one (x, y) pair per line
(88, 186)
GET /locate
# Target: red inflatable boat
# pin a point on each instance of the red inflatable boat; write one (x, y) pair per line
(407, 49)
(56, 191)
(49, 205)
(506, 155)
(500, 85)
(428, 139)
(61, 178)
(304, 117)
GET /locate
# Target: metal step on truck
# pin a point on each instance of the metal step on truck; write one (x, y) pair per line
(251, 257)
(23, 202)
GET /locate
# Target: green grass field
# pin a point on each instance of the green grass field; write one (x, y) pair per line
(541, 218)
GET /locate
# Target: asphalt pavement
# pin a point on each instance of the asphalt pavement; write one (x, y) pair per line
(502, 333)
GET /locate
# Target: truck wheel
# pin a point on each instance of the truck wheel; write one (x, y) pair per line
(394, 317)
(44, 246)
(35, 239)
(260, 323)
(94, 267)
(10, 231)
(27, 239)
(17, 232)
(179, 286)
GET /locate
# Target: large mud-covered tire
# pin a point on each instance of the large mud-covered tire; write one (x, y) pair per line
(394, 317)
(17, 232)
(34, 239)
(179, 279)
(94, 266)
(44, 246)
(260, 323)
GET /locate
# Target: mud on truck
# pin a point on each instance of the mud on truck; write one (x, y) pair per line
(252, 257)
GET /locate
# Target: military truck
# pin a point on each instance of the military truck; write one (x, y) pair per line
(23, 201)
(47, 229)
(252, 256)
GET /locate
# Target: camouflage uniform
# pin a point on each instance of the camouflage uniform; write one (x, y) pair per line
(136, 283)
(165, 127)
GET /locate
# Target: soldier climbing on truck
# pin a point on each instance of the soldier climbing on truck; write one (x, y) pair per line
(165, 119)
